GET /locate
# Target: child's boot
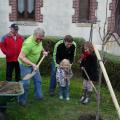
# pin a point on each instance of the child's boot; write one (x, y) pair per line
(87, 99)
(84, 94)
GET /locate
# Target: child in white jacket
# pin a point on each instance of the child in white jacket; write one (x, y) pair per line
(63, 75)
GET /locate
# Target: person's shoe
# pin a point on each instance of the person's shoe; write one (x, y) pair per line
(87, 100)
(22, 104)
(67, 98)
(40, 98)
(82, 98)
(51, 93)
(60, 97)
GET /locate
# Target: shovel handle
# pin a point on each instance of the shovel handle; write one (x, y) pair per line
(41, 61)
(90, 80)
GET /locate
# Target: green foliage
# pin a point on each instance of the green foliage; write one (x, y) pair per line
(2, 68)
(112, 62)
(51, 108)
(45, 66)
(112, 65)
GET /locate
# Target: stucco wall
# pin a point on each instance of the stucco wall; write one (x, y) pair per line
(57, 20)
(113, 47)
(4, 16)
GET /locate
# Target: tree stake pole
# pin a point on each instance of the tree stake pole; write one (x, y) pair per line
(107, 81)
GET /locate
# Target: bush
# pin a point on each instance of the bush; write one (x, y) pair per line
(112, 66)
(112, 62)
(45, 67)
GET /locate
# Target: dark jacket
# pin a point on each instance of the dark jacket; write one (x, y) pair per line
(61, 52)
(91, 67)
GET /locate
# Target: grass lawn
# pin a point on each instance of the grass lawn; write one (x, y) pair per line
(51, 108)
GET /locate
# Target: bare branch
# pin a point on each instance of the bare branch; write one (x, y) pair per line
(104, 28)
(100, 33)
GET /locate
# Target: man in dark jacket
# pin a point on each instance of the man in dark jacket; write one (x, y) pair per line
(64, 49)
(11, 44)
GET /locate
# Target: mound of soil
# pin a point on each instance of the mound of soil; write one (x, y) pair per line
(9, 87)
(88, 116)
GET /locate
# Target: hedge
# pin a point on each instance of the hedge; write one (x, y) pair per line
(112, 65)
(112, 62)
(47, 62)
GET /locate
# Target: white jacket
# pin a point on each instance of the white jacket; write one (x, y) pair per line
(63, 77)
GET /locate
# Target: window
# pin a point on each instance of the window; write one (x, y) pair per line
(84, 11)
(29, 10)
(26, 9)
(84, 6)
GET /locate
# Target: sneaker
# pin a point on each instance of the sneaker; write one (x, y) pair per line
(87, 100)
(67, 98)
(82, 98)
(60, 97)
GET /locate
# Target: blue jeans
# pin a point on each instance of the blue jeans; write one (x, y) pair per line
(53, 78)
(37, 84)
(64, 91)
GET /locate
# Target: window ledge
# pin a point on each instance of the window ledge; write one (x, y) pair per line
(84, 24)
(27, 23)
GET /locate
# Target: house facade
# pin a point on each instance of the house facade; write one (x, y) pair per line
(61, 17)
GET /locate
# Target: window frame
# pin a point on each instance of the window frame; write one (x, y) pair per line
(92, 12)
(25, 18)
(38, 15)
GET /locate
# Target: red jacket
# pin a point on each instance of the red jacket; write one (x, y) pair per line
(10, 47)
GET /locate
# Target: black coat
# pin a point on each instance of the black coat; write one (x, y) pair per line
(65, 53)
(91, 66)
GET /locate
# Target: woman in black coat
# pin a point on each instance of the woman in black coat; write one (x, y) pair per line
(88, 61)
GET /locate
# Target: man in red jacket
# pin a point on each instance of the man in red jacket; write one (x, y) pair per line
(11, 44)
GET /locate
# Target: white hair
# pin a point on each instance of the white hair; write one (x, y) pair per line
(39, 31)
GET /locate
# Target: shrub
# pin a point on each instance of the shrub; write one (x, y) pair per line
(112, 62)
(112, 66)
(47, 62)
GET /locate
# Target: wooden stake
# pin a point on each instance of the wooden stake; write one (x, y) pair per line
(90, 80)
(107, 81)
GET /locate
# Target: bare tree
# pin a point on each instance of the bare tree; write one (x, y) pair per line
(104, 39)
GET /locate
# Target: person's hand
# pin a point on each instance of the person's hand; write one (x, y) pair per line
(34, 66)
(58, 84)
(57, 65)
(82, 56)
(66, 78)
(82, 68)
(45, 53)
(70, 65)
(78, 61)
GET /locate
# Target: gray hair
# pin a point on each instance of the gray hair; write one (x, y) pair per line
(39, 31)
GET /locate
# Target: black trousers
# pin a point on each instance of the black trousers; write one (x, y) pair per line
(10, 67)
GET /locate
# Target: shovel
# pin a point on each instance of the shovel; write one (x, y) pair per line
(30, 75)
(90, 80)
